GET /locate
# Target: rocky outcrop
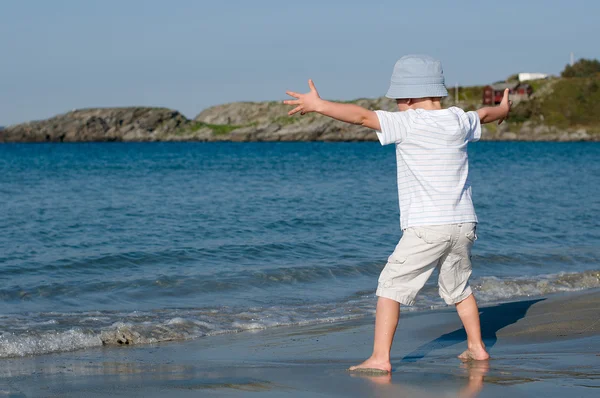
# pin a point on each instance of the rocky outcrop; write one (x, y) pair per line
(240, 122)
(244, 113)
(529, 131)
(102, 124)
(269, 121)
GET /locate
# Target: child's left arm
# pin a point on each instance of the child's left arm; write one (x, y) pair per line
(349, 113)
(492, 113)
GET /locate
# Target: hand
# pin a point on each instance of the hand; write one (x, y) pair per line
(305, 102)
(505, 105)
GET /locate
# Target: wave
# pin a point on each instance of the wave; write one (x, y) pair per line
(154, 327)
(189, 285)
(492, 288)
(143, 260)
(42, 333)
(144, 275)
(537, 258)
(12, 345)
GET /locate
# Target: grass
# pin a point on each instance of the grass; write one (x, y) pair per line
(468, 94)
(574, 101)
(217, 129)
(492, 127)
(286, 120)
(538, 84)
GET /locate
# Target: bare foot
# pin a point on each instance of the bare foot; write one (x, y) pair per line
(372, 366)
(474, 354)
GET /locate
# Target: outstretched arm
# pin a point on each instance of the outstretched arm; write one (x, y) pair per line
(349, 113)
(492, 113)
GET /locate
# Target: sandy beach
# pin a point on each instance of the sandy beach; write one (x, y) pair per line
(546, 346)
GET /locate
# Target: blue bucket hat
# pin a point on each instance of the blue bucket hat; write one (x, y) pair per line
(417, 76)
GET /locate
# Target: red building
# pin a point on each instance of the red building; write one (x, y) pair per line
(492, 94)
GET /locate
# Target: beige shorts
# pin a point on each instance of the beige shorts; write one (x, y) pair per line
(419, 252)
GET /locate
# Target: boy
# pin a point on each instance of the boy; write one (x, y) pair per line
(437, 215)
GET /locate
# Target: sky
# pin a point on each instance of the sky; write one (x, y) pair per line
(187, 55)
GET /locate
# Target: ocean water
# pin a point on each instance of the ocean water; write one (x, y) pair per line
(133, 243)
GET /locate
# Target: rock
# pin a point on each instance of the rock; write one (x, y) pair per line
(503, 128)
(243, 113)
(527, 125)
(541, 129)
(579, 135)
(563, 137)
(123, 335)
(102, 124)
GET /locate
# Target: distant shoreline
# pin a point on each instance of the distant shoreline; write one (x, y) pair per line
(554, 113)
(239, 122)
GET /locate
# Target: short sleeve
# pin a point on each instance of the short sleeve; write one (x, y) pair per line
(473, 126)
(394, 127)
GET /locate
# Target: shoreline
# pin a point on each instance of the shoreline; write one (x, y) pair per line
(542, 345)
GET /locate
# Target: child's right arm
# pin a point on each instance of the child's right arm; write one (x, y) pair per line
(349, 113)
(492, 113)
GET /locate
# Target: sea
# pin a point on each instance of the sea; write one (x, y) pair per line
(129, 243)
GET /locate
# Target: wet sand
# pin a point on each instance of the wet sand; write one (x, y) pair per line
(546, 346)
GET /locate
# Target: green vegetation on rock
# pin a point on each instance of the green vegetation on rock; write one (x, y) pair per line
(218, 129)
(286, 120)
(573, 102)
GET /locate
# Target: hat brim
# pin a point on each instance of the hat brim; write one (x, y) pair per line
(400, 91)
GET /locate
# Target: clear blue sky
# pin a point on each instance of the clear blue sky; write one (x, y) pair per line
(188, 55)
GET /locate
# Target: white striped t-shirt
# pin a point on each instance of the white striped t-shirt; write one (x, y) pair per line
(432, 162)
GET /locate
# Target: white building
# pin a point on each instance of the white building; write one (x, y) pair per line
(523, 77)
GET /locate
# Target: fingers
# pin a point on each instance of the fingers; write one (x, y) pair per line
(507, 103)
(295, 110)
(505, 96)
(293, 94)
(301, 99)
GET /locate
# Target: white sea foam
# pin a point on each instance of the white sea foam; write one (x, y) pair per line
(44, 343)
(494, 289)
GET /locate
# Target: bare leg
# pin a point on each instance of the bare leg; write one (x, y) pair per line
(469, 315)
(386, 320)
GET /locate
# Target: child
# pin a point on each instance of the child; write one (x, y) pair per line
(437, 215)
